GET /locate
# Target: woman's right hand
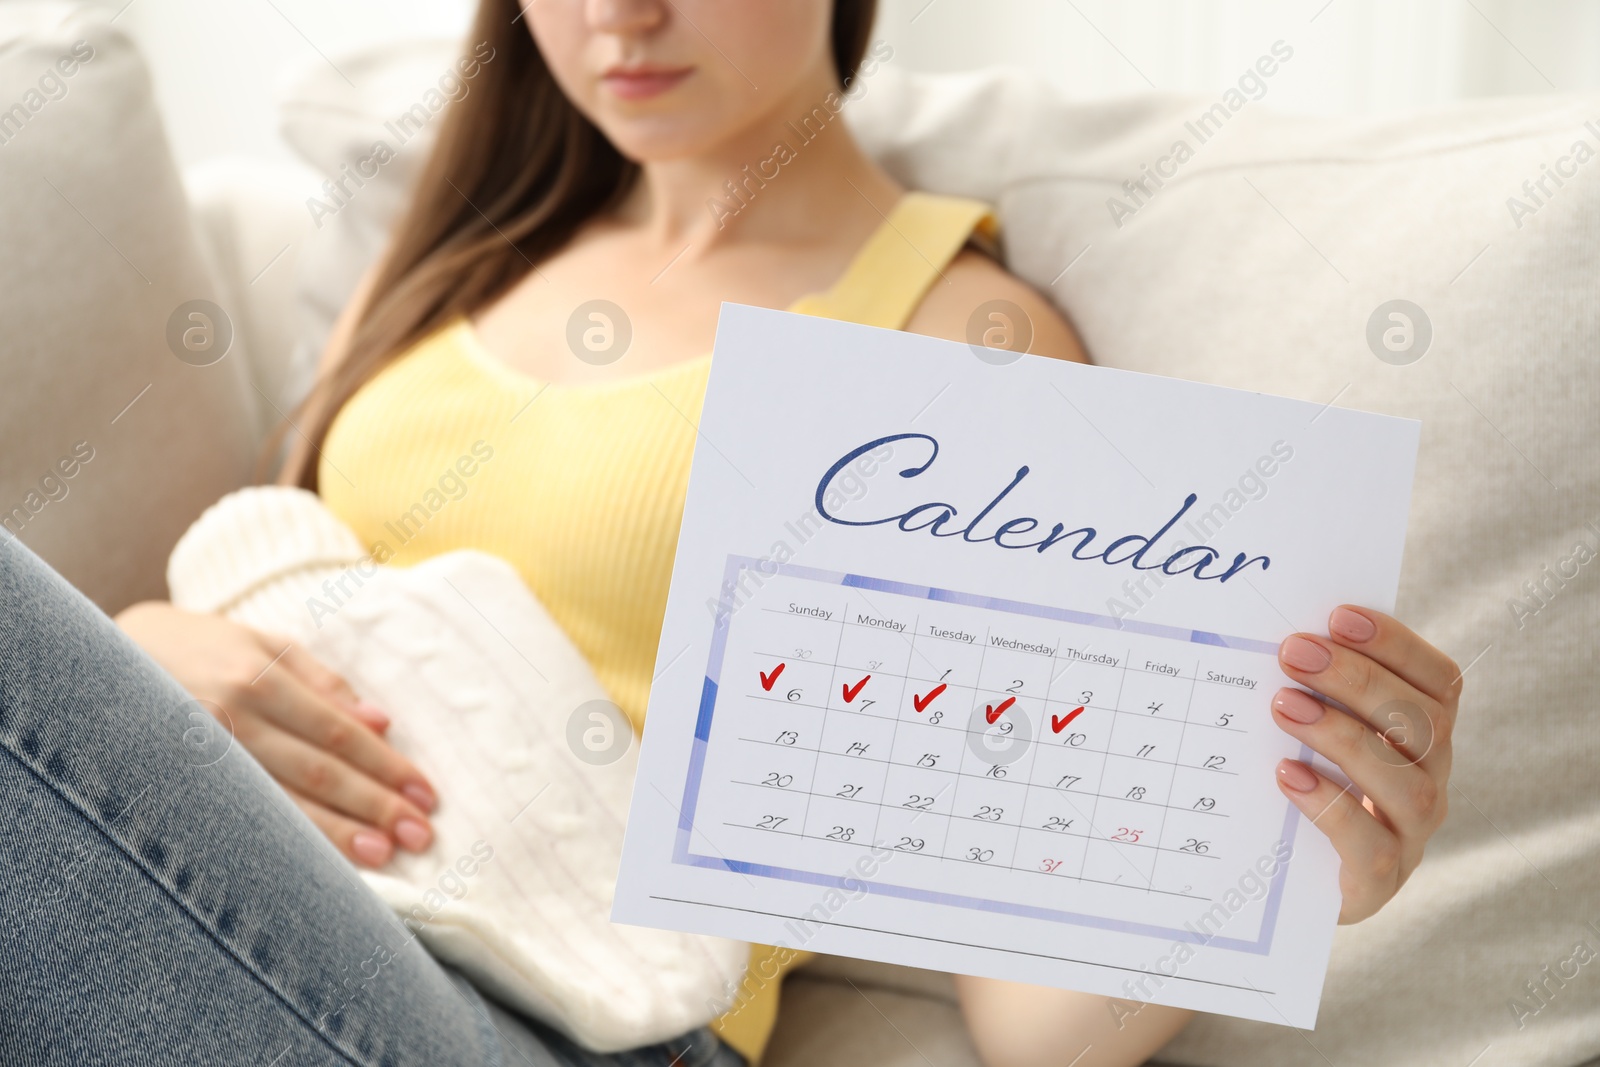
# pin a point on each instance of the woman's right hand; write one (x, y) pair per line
(303, 724)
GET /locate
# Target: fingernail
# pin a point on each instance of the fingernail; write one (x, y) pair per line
(413, 836)
(1305, 655)
(1296, 776)
(371, 848)
(1351, 625)
(1293, 704)
(420, 795)
(373, 714)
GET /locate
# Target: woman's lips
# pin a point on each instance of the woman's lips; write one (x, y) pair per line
(643, 83)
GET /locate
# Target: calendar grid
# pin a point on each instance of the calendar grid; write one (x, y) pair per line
(1105, 757)
(1050, 679)
(969, 730)
(955, 798)
(1188, 708)
(943, 815)
(975, 689)
(1051, 648)
(1081, 618)
(894, 731)
(816, 758)
(963, 859)
(969, 774)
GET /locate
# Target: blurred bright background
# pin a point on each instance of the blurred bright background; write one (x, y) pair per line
(218, 63)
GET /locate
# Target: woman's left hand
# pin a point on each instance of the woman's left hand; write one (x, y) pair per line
(1394, 747)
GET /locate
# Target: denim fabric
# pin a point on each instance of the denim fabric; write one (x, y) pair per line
(164, 902)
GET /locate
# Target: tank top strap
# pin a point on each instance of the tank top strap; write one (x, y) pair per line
(902, 259)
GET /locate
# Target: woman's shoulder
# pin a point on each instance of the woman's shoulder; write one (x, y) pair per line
(954, 308)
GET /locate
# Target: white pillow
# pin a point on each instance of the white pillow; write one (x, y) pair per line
(394, 96)
(533, 765)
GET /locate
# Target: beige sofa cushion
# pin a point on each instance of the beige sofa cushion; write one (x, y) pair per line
(853, 1012)
(110, 444)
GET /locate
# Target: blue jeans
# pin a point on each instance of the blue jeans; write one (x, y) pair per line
(164, 902)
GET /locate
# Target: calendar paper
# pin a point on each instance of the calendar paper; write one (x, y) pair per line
(967, 665)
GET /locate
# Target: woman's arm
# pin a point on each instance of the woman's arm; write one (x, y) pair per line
(973, 280)
(1016, 1025)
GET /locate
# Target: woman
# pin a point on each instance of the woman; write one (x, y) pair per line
(665, 155)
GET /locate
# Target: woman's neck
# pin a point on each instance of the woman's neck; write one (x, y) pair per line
(778, 180)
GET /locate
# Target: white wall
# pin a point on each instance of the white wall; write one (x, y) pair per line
(1351, 56)
(217, 62)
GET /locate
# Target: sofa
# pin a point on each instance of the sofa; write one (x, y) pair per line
(1205, 237)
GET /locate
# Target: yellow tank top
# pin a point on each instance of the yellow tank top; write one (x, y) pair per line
(581, 487)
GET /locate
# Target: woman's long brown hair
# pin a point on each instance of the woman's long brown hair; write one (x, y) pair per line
(517, 170)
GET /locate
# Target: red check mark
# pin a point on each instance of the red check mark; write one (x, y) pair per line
(923, 701)
(992, 713)
(768, 679)
(850, 691)
(1059, 722)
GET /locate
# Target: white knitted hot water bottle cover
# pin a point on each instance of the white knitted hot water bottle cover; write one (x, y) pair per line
(483, 688)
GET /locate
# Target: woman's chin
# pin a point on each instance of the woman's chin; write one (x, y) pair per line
(662, 140)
